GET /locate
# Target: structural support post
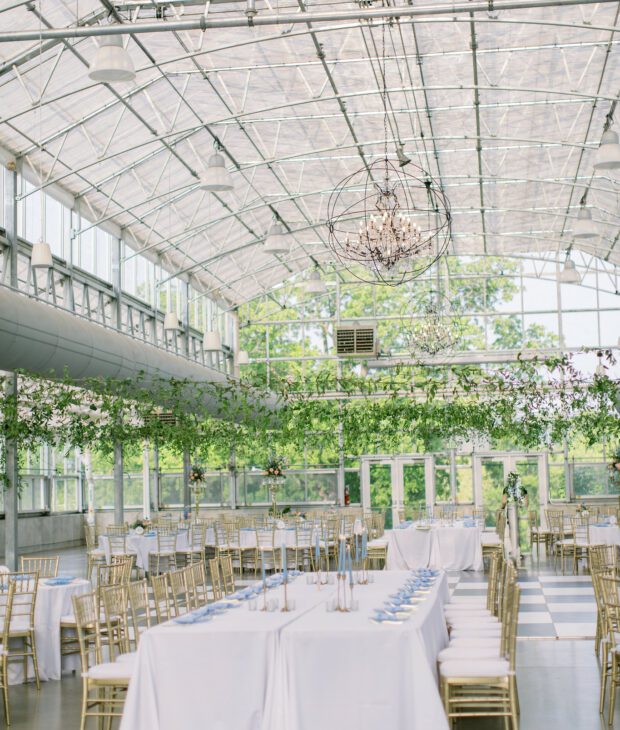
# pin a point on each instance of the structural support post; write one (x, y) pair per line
(11, 494)
(146, 481)
(186, 494)
(340, 479)
(90, 487)
(155, 482)
(232, 479)
(119, 506)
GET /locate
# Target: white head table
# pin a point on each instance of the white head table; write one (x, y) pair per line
(53, 602)
(445, 547)
(302, 670)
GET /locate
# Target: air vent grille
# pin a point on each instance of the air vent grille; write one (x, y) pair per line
(356, 341)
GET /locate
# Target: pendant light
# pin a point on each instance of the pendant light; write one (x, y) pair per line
(41, 256)
(607, 156)
(569, 274)
(275, 241)
(211, 341)
(171, 322)
(314, 284)
(112, 61)
(401, 156)
(243, 358)
(216, 178)
(584, 226)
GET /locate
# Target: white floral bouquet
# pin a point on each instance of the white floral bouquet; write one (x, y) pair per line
(514, 490)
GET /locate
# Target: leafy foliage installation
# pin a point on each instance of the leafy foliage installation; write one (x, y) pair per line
(526, 404)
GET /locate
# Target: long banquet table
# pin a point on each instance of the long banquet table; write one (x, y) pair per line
(446, 547)
(301, 670)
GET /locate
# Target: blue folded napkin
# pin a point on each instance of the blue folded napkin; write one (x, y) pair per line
(469, 523)
(150, 533)
(192, 618)
(247, 529)
(60, 581)
(385, 616)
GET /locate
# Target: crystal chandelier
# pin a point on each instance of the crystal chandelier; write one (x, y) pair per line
(386, 225)
(434, 326)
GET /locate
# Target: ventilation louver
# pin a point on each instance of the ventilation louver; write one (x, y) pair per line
(356, 341)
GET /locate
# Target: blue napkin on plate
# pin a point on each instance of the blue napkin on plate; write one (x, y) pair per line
(192, 618)
(150, 533)
(385, 616)
(59, 581)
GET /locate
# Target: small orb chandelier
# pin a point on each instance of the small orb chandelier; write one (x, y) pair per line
(386, 225)
(434, 326)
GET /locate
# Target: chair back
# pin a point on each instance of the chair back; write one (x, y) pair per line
(86, 612)
(160, 585)
(126, 562)
(118, 530)
(24, 600)
(115, 607)
(139, 609)
(166, 540)
(581, 529)
(216, 580)
(197, 536)
(197, 581)
(45, 567)
(181, 602)
(118, 544)
(228, 577)
(603, 558)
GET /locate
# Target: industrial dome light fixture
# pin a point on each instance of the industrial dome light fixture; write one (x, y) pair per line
(41, 256)
(314, 284)
(584, 226)
(569, 274)
(216, 178)
(112, 62)
(276, 239)
(607, 156)
(171, 322)
(243, 358)
(211, 341)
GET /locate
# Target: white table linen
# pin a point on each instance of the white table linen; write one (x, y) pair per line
(52, 603)
(236, 672)
(345, 672)
(443, 547)
(608, 535)
(142, 545)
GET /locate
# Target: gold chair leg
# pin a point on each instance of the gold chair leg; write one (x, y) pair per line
(613, 685)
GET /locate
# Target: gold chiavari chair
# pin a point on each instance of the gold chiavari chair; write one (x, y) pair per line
(118, 546)
(162, 600)
(216, 579)
(195, 550)
(600, 637)
(376, 554)
(603, 558)
(21, 628)
(165, 557)
(127, 563)
(140, 610)
(485, 687)
(6, 604)
(117, 530)
(538, 535)
(493, 542)
(610, 666)
(197, 583)
(228, 576)
(94, 555)
(181, 598)
(578, 544)
(267, 551)
(103, 683)
(115, 610)
(45, 567)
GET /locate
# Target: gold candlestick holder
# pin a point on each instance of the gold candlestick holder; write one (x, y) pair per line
(264, 608)
(285, 608)
(342, 594)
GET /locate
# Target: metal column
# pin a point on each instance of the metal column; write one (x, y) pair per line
(119, 506)
(187, 502)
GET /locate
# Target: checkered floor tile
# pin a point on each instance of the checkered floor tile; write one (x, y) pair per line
(552, 606)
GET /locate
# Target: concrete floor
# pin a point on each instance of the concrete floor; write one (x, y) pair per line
(558, 684)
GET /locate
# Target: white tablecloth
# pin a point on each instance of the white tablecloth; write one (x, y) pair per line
(247, 536)
(609, 535)
(142, 545)
(447, 548)
(52, 603)
(237, 671)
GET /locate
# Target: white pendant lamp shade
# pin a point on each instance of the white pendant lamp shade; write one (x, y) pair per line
(112, 61)
(569, 274)
(171, 322)
(41, 257)
(243, 358)
(216, 178)
(314, 284)
(600, 370)
(212, 342)
(584, 226)
(276, 240)
(607, 156)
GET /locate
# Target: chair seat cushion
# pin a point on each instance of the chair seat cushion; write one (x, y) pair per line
(473, 621)
(129, 658)
(475, 668)
(378, 542)
(476, 641)
(68, 620)
(465, 653)
(111, 670)
(490, 538)
(462, 632)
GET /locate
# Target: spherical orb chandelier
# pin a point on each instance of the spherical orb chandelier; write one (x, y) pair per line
(433, 325)
(386, 225)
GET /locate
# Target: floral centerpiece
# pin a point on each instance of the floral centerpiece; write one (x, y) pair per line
(614, 467)
(196, 474)
(274, 476)
(142, 523)
(514, 490)
(582, 508)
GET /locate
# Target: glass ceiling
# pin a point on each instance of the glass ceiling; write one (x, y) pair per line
(505, 108)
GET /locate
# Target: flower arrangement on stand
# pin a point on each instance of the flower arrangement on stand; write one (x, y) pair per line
(274, 477)
(614, 467)
(197, 478)
(514, 490)
(141, 524)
